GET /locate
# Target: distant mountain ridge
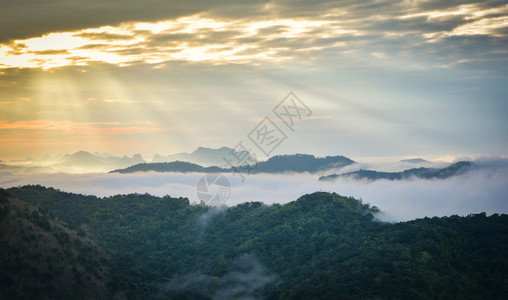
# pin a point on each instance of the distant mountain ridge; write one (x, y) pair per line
(415, 160)
(203, 156)
(297, 163)
(78, 162)
(83, 158)
(205, 160)
(174, 166)
(455, 169)
(86, 162)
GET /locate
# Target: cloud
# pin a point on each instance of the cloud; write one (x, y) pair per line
(197, 31)
(20, 20)
(104, 36)
(244, 282)
(31, 129)
(193, 38)
(481, 190)
(205, 219)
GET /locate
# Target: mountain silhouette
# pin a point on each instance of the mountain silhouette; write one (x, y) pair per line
(424, 173)
(204, 156)
(297, 163)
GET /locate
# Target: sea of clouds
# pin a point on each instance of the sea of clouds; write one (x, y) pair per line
(483, 189)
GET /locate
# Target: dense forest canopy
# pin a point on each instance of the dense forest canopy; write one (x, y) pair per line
(321, 246)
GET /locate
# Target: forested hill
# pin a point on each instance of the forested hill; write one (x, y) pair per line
(321, 246)
(276, 164)
(42, 258)
(454, 169)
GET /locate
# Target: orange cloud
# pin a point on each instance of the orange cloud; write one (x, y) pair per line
(80, 128)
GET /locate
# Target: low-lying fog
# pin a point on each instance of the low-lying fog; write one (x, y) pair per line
(484, 189)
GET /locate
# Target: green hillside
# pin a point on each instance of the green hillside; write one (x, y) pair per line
(321, 246)
(42, 258)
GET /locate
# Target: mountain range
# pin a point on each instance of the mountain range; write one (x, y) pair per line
(86, 162)
(79, 162)
(205, 156)
(454, 169)
(297, 163)
(208, 160)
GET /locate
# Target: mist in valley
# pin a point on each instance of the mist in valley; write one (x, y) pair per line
(481, 189)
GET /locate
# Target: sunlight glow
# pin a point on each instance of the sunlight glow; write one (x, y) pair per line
(483, 26)
(160, 41)
(199, 38)
(54, 41)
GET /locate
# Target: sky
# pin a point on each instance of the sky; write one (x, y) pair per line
(378, 78)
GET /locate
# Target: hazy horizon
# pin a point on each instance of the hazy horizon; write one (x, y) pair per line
(451, 157)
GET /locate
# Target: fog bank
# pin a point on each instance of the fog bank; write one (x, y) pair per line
(484, 189)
